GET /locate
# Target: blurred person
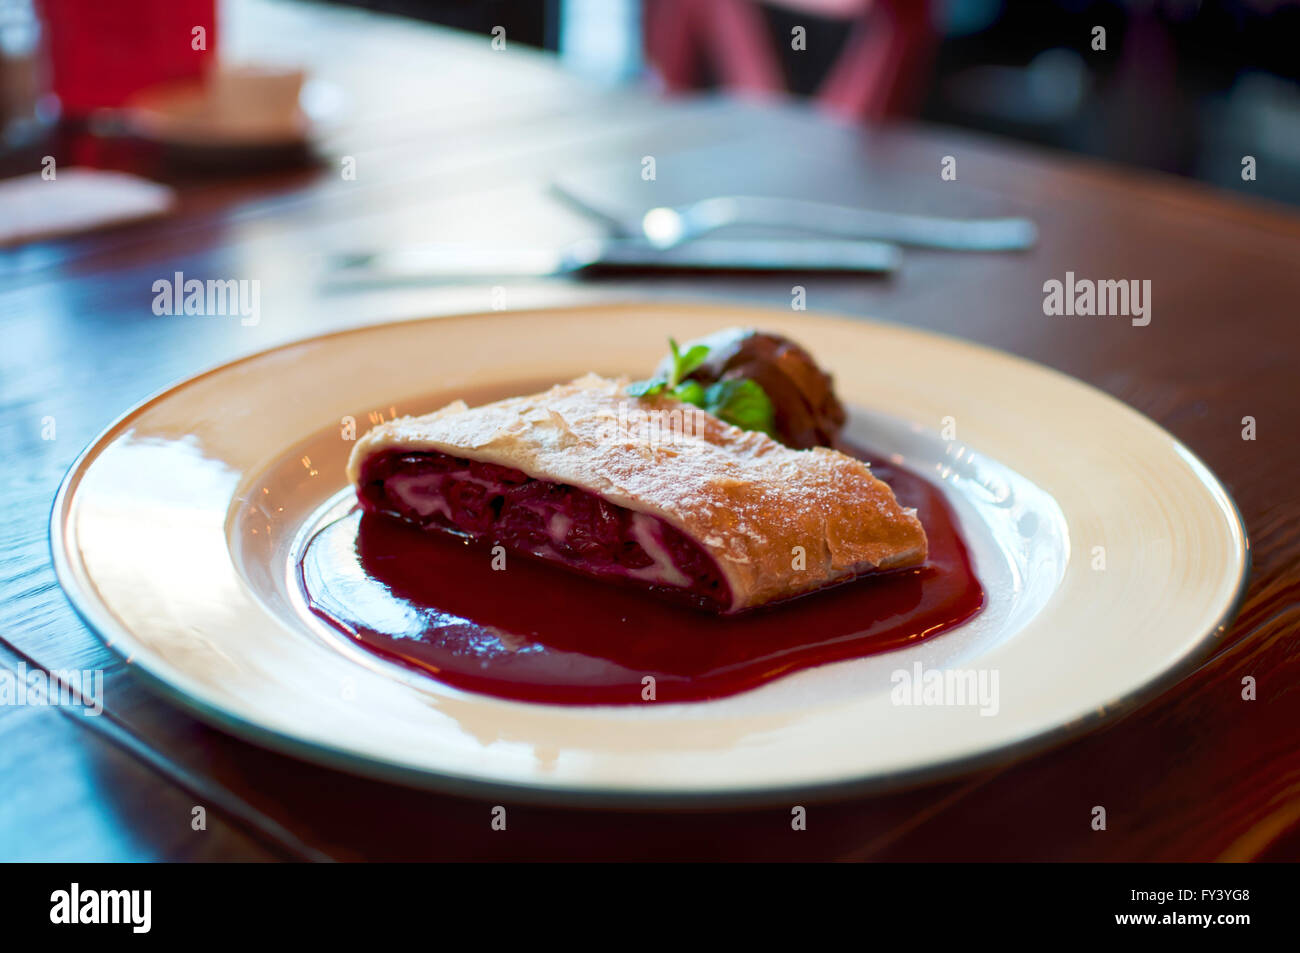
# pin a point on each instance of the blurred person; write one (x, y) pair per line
(884, 51)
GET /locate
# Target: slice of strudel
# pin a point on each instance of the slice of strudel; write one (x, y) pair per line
(645, 490)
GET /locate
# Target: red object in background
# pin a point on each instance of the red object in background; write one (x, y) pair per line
(101, 53)
(876, 74)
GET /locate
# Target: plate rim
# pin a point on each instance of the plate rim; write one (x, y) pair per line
(116, 637)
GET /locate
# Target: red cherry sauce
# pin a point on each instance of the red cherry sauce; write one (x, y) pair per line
(539, 633)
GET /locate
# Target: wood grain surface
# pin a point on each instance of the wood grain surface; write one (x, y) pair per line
(453, 141)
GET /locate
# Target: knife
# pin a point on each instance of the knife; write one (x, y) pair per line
(467, 261)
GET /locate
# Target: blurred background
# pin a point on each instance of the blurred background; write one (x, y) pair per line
(1183, 86)
(1189, 87)
(1178, 85)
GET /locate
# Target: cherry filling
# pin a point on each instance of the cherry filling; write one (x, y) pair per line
(552, 521)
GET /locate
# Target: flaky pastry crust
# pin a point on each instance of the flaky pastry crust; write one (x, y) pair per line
(778, 522)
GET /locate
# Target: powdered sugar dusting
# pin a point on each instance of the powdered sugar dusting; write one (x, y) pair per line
(752, 502)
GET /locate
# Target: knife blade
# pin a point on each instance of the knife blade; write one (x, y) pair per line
(469, 262)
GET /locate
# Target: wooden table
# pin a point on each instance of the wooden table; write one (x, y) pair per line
(454, 141)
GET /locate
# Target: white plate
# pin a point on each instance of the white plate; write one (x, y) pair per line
(176, 531)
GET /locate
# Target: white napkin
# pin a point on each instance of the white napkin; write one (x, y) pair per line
(76, 200)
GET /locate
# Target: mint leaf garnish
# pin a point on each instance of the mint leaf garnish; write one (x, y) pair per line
(692, 392)
(683, 364)
(741, 402)
(646, 388)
